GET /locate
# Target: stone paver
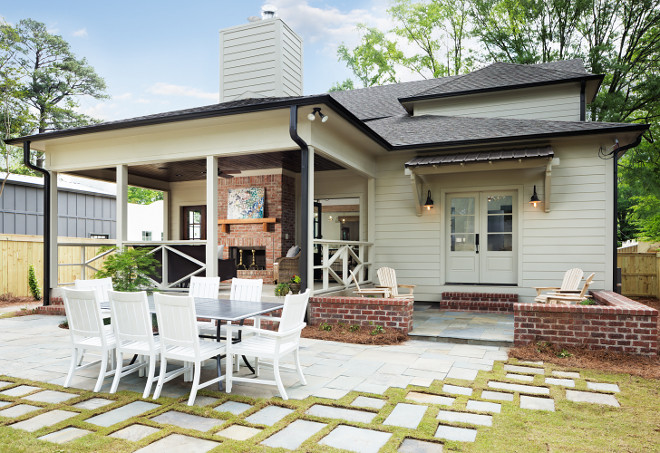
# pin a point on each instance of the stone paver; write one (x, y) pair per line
(523, 369)
(365, 401)
(179, 443)
(4, 403)
(465, 417)
(135, 432)
(269, 415)
(203, 400)
(454, 433)
(497, 396)
(351, 415)
(46, 419)
(603, 387)
(121, 413)
(419, 446)
(187, 421)
(331, 394)
(464, 374)
(93, 403)
(65, 435)
(20, 390)
(293, 435)
(457, 390)
(532, 389)
(427, 398)
(528, 362)
(536, 403)
(18, 410)
(356, 439)
(483, 406)
(233, 407)
(591, 397)
(406, 415)
(238, 432)
(520, 377)
(51, 396)
(559, 381)
(566, 374)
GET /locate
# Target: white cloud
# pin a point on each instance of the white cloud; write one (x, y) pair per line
(168, 89)
(82, 33)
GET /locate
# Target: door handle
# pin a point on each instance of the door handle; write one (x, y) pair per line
(477, 242)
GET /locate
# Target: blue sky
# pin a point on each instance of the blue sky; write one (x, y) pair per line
(160, 56)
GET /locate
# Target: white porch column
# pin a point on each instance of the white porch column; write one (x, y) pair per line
(371, 225)
(54, 210)
(122, 205)
(310, 219)
(166, 215)
(211, 216)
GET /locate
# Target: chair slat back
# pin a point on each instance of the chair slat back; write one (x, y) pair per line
(177, 320)
(131, 319)
(100, 285)
(206, 287)
(83, 312)
(587, 283)
(294, 309)
(387, 277)
(246, 289)
(572, 279)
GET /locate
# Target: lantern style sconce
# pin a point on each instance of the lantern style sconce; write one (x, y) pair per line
(429, 202)
(534, 201)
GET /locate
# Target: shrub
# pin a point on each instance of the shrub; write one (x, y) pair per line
(130, 269)
(33, 283)
(325, 326)
(282, 289)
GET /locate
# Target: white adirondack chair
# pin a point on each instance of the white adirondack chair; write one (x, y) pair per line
(569, 285)
(134, 333)
(270, 345)
(382, 292)
(83, 314)
(179, 340)
(387, 279)
(568, 298)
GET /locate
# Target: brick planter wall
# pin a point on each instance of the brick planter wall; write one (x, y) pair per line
(484, 302)
(56, 307)
(390, 313)
(622, 325)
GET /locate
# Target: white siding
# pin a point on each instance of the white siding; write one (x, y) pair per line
(552, 102)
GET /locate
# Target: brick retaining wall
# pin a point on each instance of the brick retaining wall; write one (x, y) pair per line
(621, 325)
(392, 313)
(484, 302)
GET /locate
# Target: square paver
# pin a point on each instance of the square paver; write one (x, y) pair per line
(65, 435)
(567, 374)
(179, 442)
(356, 439)
(238, 432)
(531, 389)
(524, 369)
(464, 374)
(20, 390)
(591, 397)
(18, 410)
(465, 417)
(406, 415)
(233, 407)
(5, 383)
(428, 398)
(187, 421)
(497, 396)
(5, 403)
(454, 433)
(135, 432)
(122, 413)
(536, 403)
(269, 415)
(46, 419)
(294, 435)
(603, 387)
(457, 390)
(346, 382)
(93, 403)
(520, 377)
(351, 415)
(51, 396)
(559, 381)
(419, 446)
(331, 394)
(203, 400)
(483, 406)
(365, 401)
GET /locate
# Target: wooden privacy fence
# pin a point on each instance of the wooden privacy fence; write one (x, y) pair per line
(640, 274)
(78, 258)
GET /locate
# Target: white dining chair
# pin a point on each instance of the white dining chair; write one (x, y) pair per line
(179, 340)
(207, 287)
(83, 314)
(242, 289)
(133, 329)
(271, 345)
(100, 286)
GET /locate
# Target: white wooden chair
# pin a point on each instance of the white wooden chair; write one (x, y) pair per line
(133, 329)
(271, 345)
(83, 314)
(569, 284)
(567, 298)
(387, 279)
(99, 285)
(207, 287)
(382, 292)
(179, 340)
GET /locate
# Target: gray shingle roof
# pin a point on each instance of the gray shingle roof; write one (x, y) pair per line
(486, 156)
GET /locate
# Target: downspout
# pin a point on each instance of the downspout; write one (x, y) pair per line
(46, 173)
(304, 194)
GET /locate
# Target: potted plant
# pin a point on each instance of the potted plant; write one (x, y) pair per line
(294, 284)
(282, 289)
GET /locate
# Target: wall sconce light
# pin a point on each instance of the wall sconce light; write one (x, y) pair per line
(534, 201)
(330, 218)
(429, 203)
(315, 111)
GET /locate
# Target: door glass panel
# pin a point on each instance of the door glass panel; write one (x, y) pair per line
(500, 223)
(500, 204)
(462, 226)
(500, 242)
(462, 242)
(462, 206)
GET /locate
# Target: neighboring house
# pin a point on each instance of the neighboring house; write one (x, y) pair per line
(145, 222)
(480, 145)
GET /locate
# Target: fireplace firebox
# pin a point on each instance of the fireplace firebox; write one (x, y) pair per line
(252, 258)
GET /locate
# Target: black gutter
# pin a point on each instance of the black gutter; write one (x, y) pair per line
(304, 194)
(46, 173)
(583, 103)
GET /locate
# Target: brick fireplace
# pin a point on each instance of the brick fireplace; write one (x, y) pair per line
(273, 238)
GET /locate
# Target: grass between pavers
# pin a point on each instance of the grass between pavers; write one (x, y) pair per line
(579, 427)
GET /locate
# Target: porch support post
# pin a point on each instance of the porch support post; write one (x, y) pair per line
(166, 215)
(211, 216)
(371, 225)
(308, 222)
(122, 205)
(52, 243)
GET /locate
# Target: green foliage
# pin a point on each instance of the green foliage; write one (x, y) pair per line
(282, 289)
(646, 216)
(33, 283)
(564, 354)
(373, 60)
(295, 279)
(354, 327)
(324, 326)
(130, 269)
(342, 86)
(377, 330)
(587, 302)
(139, 195)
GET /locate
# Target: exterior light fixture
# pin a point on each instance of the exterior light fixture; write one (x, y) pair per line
(429, 203)
(534, 201)
(315, 111)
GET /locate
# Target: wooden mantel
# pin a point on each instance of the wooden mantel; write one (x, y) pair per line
(264, 221)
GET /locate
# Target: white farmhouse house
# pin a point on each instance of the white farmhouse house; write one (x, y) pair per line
(481, 146)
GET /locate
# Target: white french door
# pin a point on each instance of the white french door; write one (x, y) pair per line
(481, 238)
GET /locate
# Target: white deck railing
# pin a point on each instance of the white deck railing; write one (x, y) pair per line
(337, 258)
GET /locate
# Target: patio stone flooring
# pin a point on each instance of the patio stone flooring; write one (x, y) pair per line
(371, 393)
(494, 329)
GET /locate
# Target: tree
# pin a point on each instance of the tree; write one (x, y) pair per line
(342, 86)
(371, 61)
(130, 269)
(139, 195)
